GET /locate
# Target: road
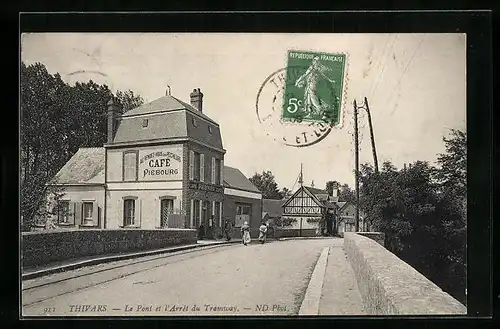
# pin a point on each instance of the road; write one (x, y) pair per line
(269, 279)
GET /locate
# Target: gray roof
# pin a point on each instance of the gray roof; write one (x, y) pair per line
(273, 207)
(233, 178)
(168, 118)
(86, 166)
(316, 191)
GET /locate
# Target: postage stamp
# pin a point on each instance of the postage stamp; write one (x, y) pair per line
(313, 87)
(299, 104)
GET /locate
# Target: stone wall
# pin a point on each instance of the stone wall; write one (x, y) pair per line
(389, 286)
(40, 248)
(379, 237)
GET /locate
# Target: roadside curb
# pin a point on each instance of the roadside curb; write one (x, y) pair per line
(310, 304)
(309, 238)
(112, 258)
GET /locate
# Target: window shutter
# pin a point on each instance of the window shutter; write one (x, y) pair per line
(191, 165)
(71, 212)
(78, 213)
(137, 215)
(221, 172)
(95, 213)
(192, 214)
(213, 209)
(202, 167)
(213, 171)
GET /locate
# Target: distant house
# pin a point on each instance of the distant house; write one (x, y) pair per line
(272, 210)
(81, 182)
(313, 211)
(346, 218)
(309, 210)
(242, 200)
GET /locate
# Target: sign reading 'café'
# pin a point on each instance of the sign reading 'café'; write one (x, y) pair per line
(161, 164)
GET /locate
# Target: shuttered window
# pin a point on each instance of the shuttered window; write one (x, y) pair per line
(217, 171)
(130, 166)
(212, 175)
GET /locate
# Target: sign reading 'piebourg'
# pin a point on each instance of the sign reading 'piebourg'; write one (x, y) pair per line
(160, 164)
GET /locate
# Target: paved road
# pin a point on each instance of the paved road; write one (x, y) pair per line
(268, 279)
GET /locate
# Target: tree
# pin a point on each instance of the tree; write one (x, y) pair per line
(56, 120)
(129, 100)
(267, 185)
(285, 193)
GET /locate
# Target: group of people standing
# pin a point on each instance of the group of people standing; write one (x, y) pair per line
(245, 232)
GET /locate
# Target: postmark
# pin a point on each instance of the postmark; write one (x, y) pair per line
(301, 103)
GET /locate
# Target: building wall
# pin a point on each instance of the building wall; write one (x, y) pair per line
(76, 195)
(229, 211)
(147, 205)
(198, 193)
(296, 224)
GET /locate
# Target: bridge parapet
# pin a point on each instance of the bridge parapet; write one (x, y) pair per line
(389, 286)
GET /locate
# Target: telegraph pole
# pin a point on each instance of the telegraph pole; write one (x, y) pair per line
(356, 157)
(374, 150)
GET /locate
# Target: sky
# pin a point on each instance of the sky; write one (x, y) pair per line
(415, 85)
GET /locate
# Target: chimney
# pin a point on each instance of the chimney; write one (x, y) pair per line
(168, 92)
(197, 99)
(114, 113)
(335, 192)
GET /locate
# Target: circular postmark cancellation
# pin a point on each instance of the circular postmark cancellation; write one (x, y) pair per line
(301, 103)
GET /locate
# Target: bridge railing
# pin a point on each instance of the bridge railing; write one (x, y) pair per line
(389, 286)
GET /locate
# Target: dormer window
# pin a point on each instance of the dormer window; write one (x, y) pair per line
(144, 123)
(209, 129)
(195, 123)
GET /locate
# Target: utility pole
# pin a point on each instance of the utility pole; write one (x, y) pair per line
(356, 157)
(375, 161)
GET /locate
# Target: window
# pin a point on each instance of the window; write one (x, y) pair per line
(87, 209)
(144, 123)
(195, 123)
(217, 171)
(194, 166)
(242, 210)
(63, 212)
(128, 212)
(209, 129)
(130, 166)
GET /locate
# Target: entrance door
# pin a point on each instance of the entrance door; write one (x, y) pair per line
(167, 205)
(206, 214)
(242, 214)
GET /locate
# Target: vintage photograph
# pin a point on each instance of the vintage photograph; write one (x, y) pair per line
(242, 174)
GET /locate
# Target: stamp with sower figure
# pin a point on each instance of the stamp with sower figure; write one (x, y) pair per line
(306, 98)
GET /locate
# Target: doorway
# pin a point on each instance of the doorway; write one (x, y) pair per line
(167, 206)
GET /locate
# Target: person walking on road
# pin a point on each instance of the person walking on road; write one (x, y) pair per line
(245, 231)
(228, 230)
(262, 232)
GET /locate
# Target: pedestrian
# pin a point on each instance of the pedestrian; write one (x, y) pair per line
(262, 232)
(245, 233)
(228, 228)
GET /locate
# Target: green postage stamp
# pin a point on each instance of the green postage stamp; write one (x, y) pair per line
(313, 87)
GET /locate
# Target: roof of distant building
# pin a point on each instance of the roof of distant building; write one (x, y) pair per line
(86, 166)
(273, 207)
(233, 178)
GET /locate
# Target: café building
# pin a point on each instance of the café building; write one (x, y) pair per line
(161, 167)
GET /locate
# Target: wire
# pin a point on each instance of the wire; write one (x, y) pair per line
(406, 69)
(379, 62)
(385, 65)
